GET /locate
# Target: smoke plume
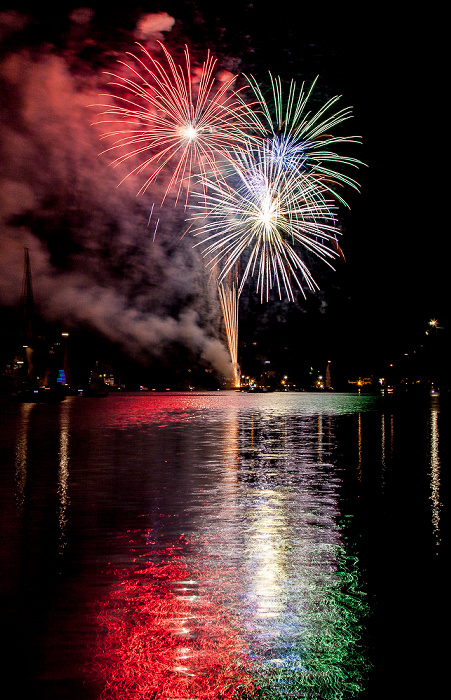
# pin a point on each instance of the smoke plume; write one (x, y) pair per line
(95, 259)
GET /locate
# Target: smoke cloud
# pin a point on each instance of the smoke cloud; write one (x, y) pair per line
(152, 25)
(94, 260)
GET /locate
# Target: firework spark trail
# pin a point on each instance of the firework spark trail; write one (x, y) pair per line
(301, 140)
(168, 117)
(267, 213)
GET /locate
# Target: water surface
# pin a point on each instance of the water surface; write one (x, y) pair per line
(223, 545)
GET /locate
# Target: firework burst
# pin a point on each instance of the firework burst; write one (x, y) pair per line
(171, 116)
(298, 139)
(273, 217)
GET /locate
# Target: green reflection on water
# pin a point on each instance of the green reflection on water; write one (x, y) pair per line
(330, 660)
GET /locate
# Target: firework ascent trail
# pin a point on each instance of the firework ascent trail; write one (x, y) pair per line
(229, 305)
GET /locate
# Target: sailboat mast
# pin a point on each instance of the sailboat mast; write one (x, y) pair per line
(27, 301)
(27, 313)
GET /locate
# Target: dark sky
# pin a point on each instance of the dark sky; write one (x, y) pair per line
(94, 262)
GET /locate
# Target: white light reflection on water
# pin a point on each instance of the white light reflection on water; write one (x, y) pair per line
(386, 449)
(63, 471)
(295, 598)
(359, 445)
(22, 452)
(435, 468)
(266, 526)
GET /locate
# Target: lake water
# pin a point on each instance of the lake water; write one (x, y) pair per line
(224, 545)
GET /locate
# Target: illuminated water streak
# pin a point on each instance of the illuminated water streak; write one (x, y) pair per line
(435, 470)
(21, 460)
(359, 445)
(320, 436)
(63, 471)
(169, 116)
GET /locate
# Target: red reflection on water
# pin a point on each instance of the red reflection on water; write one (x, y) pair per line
(167, 636)
(159, 409)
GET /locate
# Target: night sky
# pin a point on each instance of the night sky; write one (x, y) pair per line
(95, 266)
